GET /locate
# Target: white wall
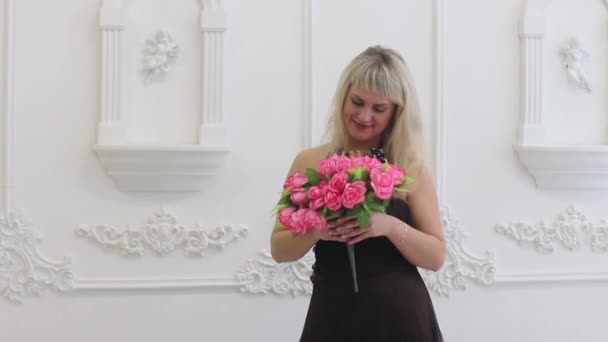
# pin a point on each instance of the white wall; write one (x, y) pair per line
(466, 60)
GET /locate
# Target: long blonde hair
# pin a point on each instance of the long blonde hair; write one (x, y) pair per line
(383, 71)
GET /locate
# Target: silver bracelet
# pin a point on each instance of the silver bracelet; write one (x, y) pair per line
(404, 234)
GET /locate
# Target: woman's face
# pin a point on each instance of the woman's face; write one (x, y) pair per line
(366, 115)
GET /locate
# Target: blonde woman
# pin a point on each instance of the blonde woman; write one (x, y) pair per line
(375, 111)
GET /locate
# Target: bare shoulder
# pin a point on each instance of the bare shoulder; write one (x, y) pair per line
(309, 158)
(423, 184)
(424, 205)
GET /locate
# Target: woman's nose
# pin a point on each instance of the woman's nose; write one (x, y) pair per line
(364, 114)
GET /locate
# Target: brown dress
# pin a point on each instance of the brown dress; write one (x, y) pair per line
(392, 305)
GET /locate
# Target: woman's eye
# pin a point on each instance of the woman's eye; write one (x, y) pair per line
(357, 103)
(380, 110)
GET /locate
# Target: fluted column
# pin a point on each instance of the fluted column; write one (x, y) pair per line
(213, 25)
(111, 129)
(533, 131)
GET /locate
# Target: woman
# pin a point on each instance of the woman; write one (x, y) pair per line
(375, 109)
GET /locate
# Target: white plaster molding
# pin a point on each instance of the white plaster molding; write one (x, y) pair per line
(440, 33)
(567, 167)
(250, 286)
(553, 167)
(160, 54)
(163, 234)
(570, 229)
(262, 274)
(164, 167)
(460, 266)
(160, 168)
(23, 271)
(573, 56)
(7, 116)
(532, 33)
(167, 284)
(212, 4)
(539, 278)
(307, 67)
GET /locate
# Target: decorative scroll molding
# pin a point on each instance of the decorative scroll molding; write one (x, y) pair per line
(23, 271)
(163, 234)
(263, 275)
(569, 229)
(460, 266)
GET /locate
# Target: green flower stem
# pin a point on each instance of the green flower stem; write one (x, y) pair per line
(351, 258)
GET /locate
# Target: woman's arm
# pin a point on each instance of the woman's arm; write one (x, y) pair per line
(286, 246)
(425, 246)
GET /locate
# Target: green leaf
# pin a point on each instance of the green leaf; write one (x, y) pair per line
(313, 176)
(276, 209)
(377, 208)
(374, 204)
(284, 200)
(333, 214)
(355, 211)
(366, 207)
(358, 173)
(363, 218)
(370, 197)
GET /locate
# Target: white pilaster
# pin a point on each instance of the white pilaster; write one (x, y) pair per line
(111, 129)
(213, 26)
(533, 30)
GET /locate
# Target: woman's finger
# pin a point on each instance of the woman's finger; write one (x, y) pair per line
(358, 238)
(353, 233)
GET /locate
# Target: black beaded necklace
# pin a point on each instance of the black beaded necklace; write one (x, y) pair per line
(376, 152)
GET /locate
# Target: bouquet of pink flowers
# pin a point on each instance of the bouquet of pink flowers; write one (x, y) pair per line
(342, 185)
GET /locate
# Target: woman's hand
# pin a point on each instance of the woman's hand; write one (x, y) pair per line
(337, 229)
(378, 225)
